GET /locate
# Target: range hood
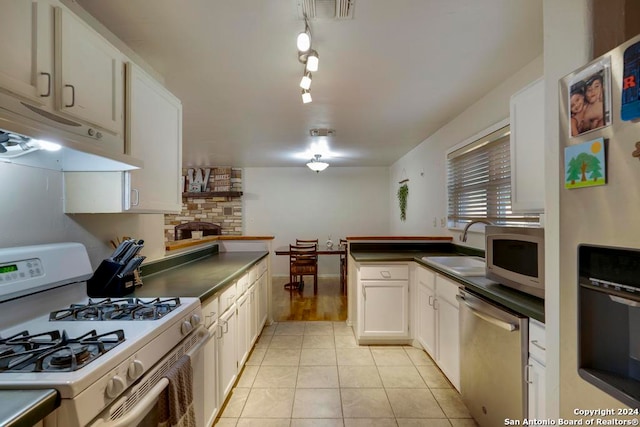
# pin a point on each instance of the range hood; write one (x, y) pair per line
(27, 130)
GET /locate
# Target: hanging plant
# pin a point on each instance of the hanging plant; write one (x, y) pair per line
(403, 192)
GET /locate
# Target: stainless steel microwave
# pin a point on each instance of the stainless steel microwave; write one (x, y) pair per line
(515, 257)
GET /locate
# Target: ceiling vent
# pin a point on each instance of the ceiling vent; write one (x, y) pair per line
(326, 9)
(322, 132)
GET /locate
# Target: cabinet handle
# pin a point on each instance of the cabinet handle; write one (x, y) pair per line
(364, 292)
(219, 332)
(209, 316)
(137, 193)
(435, 303)
(526, 374)
(226, 326)
(431, 300)
(46, 95)
(385, 274)
(536, 343)
(73, 96)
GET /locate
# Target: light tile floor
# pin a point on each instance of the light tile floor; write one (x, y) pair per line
(304, 374)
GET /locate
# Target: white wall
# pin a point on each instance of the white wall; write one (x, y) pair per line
(31, 209)
(290, 203)
(425, 165)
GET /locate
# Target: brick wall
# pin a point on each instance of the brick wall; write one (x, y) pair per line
(226, 212)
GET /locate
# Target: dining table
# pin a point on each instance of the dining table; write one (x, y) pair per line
(322, 250)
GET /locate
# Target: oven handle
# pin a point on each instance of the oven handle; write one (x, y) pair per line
(140, 410)
(146, 403)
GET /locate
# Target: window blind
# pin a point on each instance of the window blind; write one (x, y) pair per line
(479, 183)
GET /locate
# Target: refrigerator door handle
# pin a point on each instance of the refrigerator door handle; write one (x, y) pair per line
(624, 301)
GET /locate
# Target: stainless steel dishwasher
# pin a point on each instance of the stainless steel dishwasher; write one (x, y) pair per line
(493, 354)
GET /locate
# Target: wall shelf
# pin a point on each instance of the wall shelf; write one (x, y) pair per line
(227, 194)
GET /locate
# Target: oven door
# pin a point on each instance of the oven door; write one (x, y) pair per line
(138, 406)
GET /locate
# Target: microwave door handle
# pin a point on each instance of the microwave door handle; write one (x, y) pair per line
(487, 317)
(624, 301)
(140, 410)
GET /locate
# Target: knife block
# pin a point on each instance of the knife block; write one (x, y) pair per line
(106, 283)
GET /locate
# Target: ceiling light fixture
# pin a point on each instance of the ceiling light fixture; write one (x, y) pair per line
(316, 165)
(306, 96)
(308, 57)
(305, 83)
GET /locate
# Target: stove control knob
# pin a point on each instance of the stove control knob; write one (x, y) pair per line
(136, 368)
(186, 327)
(115, 386)
(194, 320)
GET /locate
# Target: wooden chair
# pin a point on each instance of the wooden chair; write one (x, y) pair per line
(303, 261)
(303, 242)
(343, 266)
(183, 231)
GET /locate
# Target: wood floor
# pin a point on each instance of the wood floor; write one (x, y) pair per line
(328, 304)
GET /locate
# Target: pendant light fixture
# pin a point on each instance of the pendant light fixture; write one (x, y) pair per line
(306, 96)
(305, 83)
(316, 165)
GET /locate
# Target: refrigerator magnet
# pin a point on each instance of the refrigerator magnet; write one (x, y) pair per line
(590, 98)
(630, 103)
(585, 164)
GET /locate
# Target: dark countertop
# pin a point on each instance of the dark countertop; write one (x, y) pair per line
(24, 408)
(517, 301)
(200, 278)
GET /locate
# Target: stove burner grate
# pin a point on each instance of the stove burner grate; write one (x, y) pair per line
(117, 309)
(54, 351)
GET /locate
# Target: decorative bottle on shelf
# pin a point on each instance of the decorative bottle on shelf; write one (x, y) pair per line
(329, 243)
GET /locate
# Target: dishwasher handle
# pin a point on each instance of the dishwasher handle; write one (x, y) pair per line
(476, 309)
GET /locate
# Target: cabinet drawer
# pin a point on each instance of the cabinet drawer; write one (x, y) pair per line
(228, 297)
(253, 274)
(243, 284)
(385, 272)
(210, 311)
(537, 341)
(447, 290)
(262, 267)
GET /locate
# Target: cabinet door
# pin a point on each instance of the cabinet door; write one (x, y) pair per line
(154, 134)
(448, 353)
(227, 351)
(527, 149)
(89, 74)
(262, 301)
(243, 329)
(385, 308)
(210, 394)
(425, 312)
(26, 43)
(253, 315)
(536, 390)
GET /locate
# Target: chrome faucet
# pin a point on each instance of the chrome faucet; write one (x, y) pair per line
(463, 236)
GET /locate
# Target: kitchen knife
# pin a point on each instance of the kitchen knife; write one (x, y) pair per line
(131, 266)
(121, 249)
(130, 253)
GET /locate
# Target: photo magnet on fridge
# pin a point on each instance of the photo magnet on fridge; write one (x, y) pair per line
(590, 98)
(630, 103)
(585, 164)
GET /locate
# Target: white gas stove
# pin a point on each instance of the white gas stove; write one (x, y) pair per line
(93, 351)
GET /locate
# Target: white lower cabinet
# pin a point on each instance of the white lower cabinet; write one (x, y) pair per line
(227, 352)
(210, 395)
(252, 327)
(437, 323)
(535, 375)
(383, 303)
(448, 329)
(262, 296)
(243, 328)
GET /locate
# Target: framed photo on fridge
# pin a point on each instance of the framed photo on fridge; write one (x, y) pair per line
(590, 98)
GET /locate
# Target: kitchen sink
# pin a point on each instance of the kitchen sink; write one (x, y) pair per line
(460, 265)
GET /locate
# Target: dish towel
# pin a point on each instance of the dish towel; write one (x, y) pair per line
(175, 405)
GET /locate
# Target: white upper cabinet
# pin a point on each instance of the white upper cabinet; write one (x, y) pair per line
(154, 133)
(89, 74)
(527, 149)
(26, 43)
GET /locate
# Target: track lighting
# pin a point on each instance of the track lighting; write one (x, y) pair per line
(316, 165)
(306, 96)
(305, 83)
(312, 61)
(307, 56)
